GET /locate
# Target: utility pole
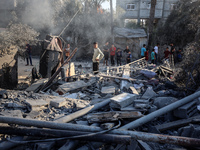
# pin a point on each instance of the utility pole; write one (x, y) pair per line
(111, 13)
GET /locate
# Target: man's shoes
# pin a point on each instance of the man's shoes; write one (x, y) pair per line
(26, 65)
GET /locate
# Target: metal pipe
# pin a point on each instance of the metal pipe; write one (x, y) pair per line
(184, 141)
(82, 112)
(52, 133)
(160, 112)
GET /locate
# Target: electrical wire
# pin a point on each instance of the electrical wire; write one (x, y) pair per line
(65, 138)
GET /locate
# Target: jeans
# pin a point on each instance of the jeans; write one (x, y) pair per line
(112, 57)
(29, 57)
(96, 67)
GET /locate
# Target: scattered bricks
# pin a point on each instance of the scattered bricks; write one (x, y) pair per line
(164, 101)
(108, 90)
(149, 93)
(58, 102)
(122, 100)
(186, 110)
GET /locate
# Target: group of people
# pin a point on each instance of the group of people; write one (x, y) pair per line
(170, 54)
(113, 53)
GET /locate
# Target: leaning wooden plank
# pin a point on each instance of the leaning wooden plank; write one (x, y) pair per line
(82, 112)
(176, 124)
(112, 116)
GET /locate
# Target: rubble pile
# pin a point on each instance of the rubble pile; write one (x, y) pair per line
(126, 107)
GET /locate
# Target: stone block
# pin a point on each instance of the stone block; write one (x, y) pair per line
(58, 102)
(122, 100)
(149, 93)
(37, 85)
(164, 101)
(186, 110)
(108, 90)
(133, 90)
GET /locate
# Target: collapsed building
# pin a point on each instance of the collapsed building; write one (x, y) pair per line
(134, 106)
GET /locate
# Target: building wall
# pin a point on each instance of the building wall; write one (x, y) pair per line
(142, 8)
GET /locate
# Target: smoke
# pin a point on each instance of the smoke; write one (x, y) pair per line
(38, 14)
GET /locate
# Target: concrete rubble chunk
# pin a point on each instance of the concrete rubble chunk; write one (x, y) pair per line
(12, 113)
(70, 86)
(133, 90)
(108, 90)
(37, 103)
(37, 85)
(122, 100)
(186, 110)
(164, 101)
(58, 102)
(149, 93)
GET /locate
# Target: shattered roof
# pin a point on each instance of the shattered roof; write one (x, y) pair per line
(129, 33)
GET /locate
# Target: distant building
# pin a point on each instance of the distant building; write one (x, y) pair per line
(140, 9)
(134, 38)
(6, 8)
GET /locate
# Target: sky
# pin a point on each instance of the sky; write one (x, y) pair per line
(106, 5)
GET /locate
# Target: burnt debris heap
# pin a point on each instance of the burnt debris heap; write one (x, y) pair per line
(135, 106)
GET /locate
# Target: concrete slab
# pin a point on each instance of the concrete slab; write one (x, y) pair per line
(35, 86)
(164, 101)
(108, 90)
(133, 90)
(36, 103)
(122, 100)
(58, 102)
(70, 86)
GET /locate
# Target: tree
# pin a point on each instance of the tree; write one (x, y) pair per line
(151, 20)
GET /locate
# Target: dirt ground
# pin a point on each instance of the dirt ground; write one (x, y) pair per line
(24, 72)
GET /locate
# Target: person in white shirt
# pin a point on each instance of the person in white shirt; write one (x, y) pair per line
(97, 57)
(156, 52)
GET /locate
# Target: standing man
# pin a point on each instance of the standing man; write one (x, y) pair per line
(156, 52)
(28, 54)
(126, 51)
(128, 58)
(98, 55)
(106, 53)
(119, 57)
(112, 54)
(167, 54)
(67, 51)
(143, 50)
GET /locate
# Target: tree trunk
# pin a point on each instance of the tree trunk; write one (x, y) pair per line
(151, 21)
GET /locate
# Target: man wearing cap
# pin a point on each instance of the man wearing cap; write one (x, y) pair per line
(98, 55)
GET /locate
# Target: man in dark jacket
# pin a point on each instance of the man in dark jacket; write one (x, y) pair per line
(28, 54)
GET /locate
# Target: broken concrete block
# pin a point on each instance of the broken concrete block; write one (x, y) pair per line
(186, 110)
(12, 113)
(149, 94)
(122, 100)
(148, 73)
(164, 101)
(38, 102)
(108, 90)
(133, 90)
(36, 86)
(73, 95)
(58, 102)
(44, 146)
(70, 86)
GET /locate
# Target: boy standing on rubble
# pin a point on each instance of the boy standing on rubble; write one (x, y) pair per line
(98, 55)
(112, 54)
(153, 56)
(67, 51)
(28, 54)
(128, 58)
(143, 50)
